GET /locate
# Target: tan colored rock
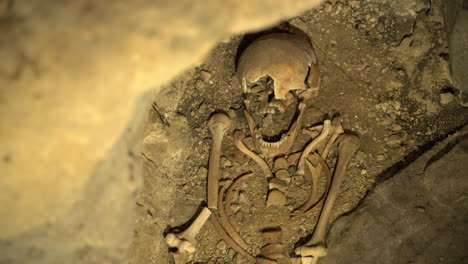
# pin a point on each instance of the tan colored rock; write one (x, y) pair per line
(82, 68)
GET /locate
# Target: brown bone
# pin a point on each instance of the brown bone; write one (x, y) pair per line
(315, 247)
(218, 124)
(238, 141)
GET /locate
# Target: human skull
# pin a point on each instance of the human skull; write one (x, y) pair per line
(277, 72)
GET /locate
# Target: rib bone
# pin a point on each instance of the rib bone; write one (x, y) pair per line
(227, 225)
(238, 141)
(312, 146)
(222, 232)
(218, 125)
(315, 248)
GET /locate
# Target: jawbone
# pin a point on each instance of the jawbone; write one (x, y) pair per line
(280, 147)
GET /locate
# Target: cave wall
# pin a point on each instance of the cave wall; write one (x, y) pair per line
(73, 77)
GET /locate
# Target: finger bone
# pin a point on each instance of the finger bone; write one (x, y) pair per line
(184, 241)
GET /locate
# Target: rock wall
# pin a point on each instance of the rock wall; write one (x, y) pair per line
(417, 216)
(72, 79)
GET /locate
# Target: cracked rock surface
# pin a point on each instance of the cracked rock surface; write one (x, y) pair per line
(417, 216)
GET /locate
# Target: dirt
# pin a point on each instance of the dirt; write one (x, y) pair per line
(384, 68)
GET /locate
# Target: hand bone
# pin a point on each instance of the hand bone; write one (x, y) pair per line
(218, 125)
(315, 248)
(184, 242)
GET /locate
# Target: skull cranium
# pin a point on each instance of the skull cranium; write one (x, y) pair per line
(280, 70)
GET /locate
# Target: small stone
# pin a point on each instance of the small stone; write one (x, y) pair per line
(231, 253)
(395, 127)
(386, 121)
(363, 172)
(355, 4)
(226, 163)
(360, 156)
(446, 98)
(200, 85)
(276, 198)
(420, 209)
(202, 173)
(221, 245)
(202, 108)
(235, 207)
(380, 157)
(394, 141)
(205, 75)
(280, 163)
(243, 198)
(328, 8)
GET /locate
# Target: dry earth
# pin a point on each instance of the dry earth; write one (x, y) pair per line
(384, 70)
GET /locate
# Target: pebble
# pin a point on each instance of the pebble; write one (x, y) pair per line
(395, 127)
(235, 207)
(363, 172)
(205, 75)
(361, 156)
(226, 163)
(394, 141)
(202, 173)
(386, 121)
(355, 4)
(276, 198)
(446, 98)
(200, 85)
(380, 157)
(231, 253)
(221, 245)
(243, 198)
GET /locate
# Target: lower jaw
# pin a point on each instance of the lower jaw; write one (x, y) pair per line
(273, 149)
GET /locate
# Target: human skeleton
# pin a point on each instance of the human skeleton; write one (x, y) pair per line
(276, 71)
